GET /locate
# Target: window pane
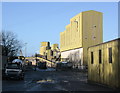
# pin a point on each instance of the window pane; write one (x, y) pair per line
(100, 56)
(110, 55)
(92, 58)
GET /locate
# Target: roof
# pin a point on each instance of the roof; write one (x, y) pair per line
(105, 42)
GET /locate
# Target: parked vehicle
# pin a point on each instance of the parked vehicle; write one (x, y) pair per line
(29, 65)
(63, 66)
(41, 65)
(14, 69)
(18, 61)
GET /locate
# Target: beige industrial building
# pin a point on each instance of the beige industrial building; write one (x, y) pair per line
(55, 52)
(104, 63)
(51, 53)
(44, 46)
(84, 30)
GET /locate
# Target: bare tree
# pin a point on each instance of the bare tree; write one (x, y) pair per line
(10, 44)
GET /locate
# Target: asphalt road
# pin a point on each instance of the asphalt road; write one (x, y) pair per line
(51, 80)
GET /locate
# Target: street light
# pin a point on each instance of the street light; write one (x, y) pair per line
(25, 49)
(36, 59)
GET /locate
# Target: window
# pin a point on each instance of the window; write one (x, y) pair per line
(100, 56)
(110, 55)
(92, 59)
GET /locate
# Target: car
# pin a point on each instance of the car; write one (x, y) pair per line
(63, 65)
(14, 70)
(41, 65)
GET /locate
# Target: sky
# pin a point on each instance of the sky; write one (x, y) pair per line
(35, 22)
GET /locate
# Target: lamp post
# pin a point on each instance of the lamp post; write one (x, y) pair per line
(25, 49)
(36, 61)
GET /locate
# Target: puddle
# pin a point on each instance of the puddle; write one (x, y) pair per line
(46, 81)
(65, 81)
(48, 69)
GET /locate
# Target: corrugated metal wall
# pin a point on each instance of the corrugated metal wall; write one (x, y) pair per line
(105, 72)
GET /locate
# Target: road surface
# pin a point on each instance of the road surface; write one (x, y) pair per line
(51, 80)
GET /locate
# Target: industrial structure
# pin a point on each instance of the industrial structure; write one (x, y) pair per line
(36, 60)
(44, 46)
(84, 30)
(104, 63)
(51, 53)
(82, 44)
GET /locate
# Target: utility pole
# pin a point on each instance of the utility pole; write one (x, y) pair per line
(25, 49)
(36, 61)
(21, 54)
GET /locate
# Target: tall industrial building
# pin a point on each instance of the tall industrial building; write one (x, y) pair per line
(51, 53)
(84, 30)
(44, 46)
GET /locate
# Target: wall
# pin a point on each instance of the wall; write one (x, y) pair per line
(4, 61)
(91, 30)
(84, 30)
(74, 56)
(119, 61)
(54, 46)
(71, 38)
(42, 50)
(105, 73)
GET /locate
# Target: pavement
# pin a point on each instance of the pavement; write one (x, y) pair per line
(52, 80)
